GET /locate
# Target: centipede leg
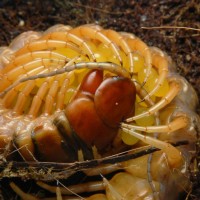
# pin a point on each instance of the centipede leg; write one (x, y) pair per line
(174, 89)
(22, 194)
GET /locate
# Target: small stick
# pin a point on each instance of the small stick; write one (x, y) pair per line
(171, 27)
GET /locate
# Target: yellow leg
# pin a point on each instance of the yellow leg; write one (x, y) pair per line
(176, 124)
(173, 154)
(61, 95)
(44, 44)
(69, 37)
(97, 35)
(9, 97)
(137, 45)
(37, 100)
(22, 97)
(174, 89)
(23, 70)
(50, 98)
(161, 64)
(121, 42)
(23, 195)
(30, 56)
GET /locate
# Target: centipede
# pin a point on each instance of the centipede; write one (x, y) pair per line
(97, 109)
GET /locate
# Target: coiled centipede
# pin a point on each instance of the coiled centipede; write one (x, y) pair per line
(74, 94)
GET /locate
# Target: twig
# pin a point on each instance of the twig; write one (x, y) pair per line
(171, 27)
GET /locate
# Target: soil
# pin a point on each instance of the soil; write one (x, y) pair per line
(182, 44)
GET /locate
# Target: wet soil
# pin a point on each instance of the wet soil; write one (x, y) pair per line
(182, 44)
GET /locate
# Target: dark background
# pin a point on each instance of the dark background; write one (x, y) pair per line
(182, 44)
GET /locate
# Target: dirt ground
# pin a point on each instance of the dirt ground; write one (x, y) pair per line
(182, 44)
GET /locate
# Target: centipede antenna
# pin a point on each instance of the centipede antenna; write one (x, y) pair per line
(90, 65)
(142, 94)
(34, 77)
(149, 177)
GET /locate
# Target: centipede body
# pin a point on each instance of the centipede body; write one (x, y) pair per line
(51, 110)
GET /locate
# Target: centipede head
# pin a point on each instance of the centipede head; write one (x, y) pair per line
(99, 106)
